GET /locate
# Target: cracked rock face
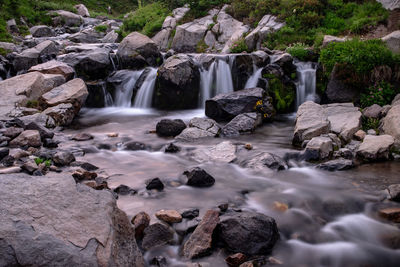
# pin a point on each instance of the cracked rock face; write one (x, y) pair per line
(74, 224)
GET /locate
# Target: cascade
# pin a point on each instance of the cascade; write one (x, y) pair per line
(124, 92)
(253, 79)
(144, 96)
(108, 101)
(306, 85)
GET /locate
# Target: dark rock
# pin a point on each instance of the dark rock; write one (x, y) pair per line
(155, 184)
(394, 192)
(82, 137)
(140, 221)
(124, 190)
(104, 146)
(157, 234)
(172, 148)
(265, 160)
(198, 177)
(37, 173)
(242, 123)
(250, 233)
(190, 213)
(134, 146)
(41, 31)
(4, 153)
(80, 175)
(43, 131)
(12, 132)
(200, 242)
(336, 165)
(223, 207)
(8, 161)
(338, 91)
(236, 259)
(50, 143)
(391, 214)
(88, 166)
(169, 128)
(159, 261)
(373, 111)
(63, 158)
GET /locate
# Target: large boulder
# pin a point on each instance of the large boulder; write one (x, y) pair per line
(375, 148)
(250, 233)
(199, 128)
(62, 114)
(242, 123)
(311, 121)
(66, 18)
(82, 10)
(392, 41)
(338, 91)
(169, 128)
(227, 106)
(137, 51)
(89, 35)
(345, 119)
(319, 148)
(51, 221)
(391, 124)
(42, 52)
(390, 4)
(41, 31)
(54, 67)
(177, 85)
(74, 92)
(266, 25)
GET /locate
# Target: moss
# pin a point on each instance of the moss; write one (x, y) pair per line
(283, 95)
(32, 104)
(4, 52)
(201, 47)
(101, 28)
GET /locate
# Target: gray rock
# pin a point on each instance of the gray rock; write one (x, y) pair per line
(82, 10)
(394, 192)
(62, 115)
(66, 18)
(157, 234)
(110, 37)
(336, 165)
(12, 26)
(391, 124)
(345, 119)
(41, 31)
(54, 67)
(28, 58)
(89, 35)
(390, 4)
(242, 123)
(264, 160)
(27, 138)
(223, 152)
(266, 25)
(318, 148)
(63, 158)
(375, 147)
(373, 111)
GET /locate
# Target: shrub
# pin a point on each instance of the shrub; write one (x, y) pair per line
(201, 47)
(101, 28)
(239, 46)
(381, 93)
(283, 95)
(299, 51)
(39, 161)
(370, 123)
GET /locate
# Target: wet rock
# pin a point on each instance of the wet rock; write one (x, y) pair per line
(343, 153)
(373, 111)
(81, 175)
(394, 192)
(345, 119)
(140, 221)
(186, 226)
(199, 128)
(41, 31)
(27, 138)
(4, 153)
(198, 177)
(250, 233)
(155, 184)
(134, 146)
(44, 132)
(391, 214)
(62, 114)
(88, 166)
(172, 148)
(82, 137)
(375, 147)
(159, 261)
(13, 132)
(236, 259)
(54, 67)
(169, 128)
(223, 152)
(169, 216)
(63, 158)
(157, 234)
(336, 165)
(200, 242)
(360, 135)
(242, 123)
(124, 190)
(318, 148)
(391, 123)
(137, 51)
(190, 213)
(265, 160)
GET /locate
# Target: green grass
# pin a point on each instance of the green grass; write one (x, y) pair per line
(101, 28)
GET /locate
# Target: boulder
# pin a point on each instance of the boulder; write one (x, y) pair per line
(10, 47)
(30, 138)
(62, 114)
(157, 234)
(89, 36)
(137, 51)
(41, 31)
(200, 242)
(199, 128)
(223, 152)
(332, 39)
(394, 192)
(375, 148)
(390, 4)
(110, 37)
(391, 124)
(82, 10)
(336, 165)
(169, 216)
(311, 121)
(242, 123)
(140, 221)
(264, 160)
(170, 127)
(66, 18)
(250, 233)
(12, 26)
(155, 184)
(198, 177)
(42, 52)
(338, 91)
(73, 92)
(177, 85)
(74, 224)
(227, 106)
(63, 158)
(373, 111)
(266, 26)
(318, 148)
(54, 67)
(360, 135)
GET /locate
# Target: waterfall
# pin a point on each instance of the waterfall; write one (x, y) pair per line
(144, 96)
(124, 92)
(253, 79)
(206, 83)
(224, 83)
(306, 85)
(108, 101)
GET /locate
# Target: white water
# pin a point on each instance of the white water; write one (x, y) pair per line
(124, 92)
(307, 80)
(253, 79)
(108, 101)
(144, 96)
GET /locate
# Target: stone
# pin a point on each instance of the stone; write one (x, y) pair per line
(63, 158)
(345, 119)
(250, 233)
(344, 153)
(338, 91)
(4, 152)
(242, 123)
(360, 135)
(336, 165)
(373, 111)
(223, 152)
(67, 18)
(200, 242)
(140, 221)
(192, 133)
(10, 170)
(44, 132)
(27, 138)
(82, 10)
(318, 148)
(124, 190)
(394, 192)
(89, 35)
(267, 25)
(236, 259)
(82, 137)
(157, 234)
(111, 37)
(155, 184)
(83, 175)
(30, 166)
(198, 177)
(172, 148)
(371, 132)
(74, 224)
(12, 26)
(391, 214)
(41, 31)
(62, 114)
(137, 51)
(391, 124)
(190, 213)
(134, 146)
(13, 132)
(199, 128)
(54, 67)
(159, 261)
(375, 148)
(328, 39)
(44, 51)
(169, 216)
(264, 160)
(169, 128)
(390, 4)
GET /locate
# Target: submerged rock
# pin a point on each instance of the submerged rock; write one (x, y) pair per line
(265, 160)
(155, 184)
(170, 127)
(223, 152)
(198, 177)
(242, 123)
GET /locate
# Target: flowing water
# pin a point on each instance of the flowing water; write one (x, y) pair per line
(253, 80)
(306, 85)
(330, 219)
(124, 92)
(144, 95)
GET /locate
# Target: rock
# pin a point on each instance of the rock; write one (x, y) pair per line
(360, 135)
(13, 132)
(250, 233)
(82, 137)
(8, 46)
(265, 160)
(394, 192)
(169, 216)
(137, 51)
(236, 259)
(371, 132)
(41, 31)
(82, 10)
(266, 26)
(90, 229)
(177, 85)
(62, 114)
(190, 213)
(88, 166)
(172, 148)
(30, 166)
(345, 119)
(54, 67)
(4, 152)
(373, 111)
(328, 39)
(124, 190)
(375, 147)
(223, 152)
(391, 124)
(12, 26)
(336, 165)
(44, 132)
(391, 214)
(390, 4)
(81, 175)
(10, 170)
(27, 138)
(198, 177)
(41, 53)
(159, 261)
(67, 18)
(170, 127)
(318, 148)
(74, 92)
(155, 184)
(89, 36)
(8, 161)
(198, 128)
(344, 153)
(134, 146)
(242, 123)
(111, 37)
(192, 133)
(338, 91)
(227, 106)
(63, 158)
(200, 242)
(311, 121)
(140, 221)
(157, 234)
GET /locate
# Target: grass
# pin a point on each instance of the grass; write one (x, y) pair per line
(101, 28)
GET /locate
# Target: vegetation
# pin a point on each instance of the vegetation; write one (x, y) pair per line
(370, 123)
(39, 161)
(101, 28)
(381, 93)
(283, 95)
(239, 46)
(201, 47)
